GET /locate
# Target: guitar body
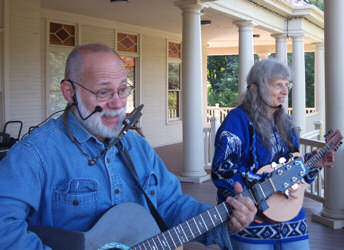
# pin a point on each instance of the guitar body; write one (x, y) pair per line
(282, 208)
(126, 223)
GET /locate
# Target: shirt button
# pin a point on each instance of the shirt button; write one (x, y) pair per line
(152, 192)
(117, 191)
(75, 203)
(108, 160)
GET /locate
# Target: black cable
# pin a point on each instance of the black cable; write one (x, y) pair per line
(34, 127)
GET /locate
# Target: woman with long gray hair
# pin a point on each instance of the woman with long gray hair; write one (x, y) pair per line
(253, 135)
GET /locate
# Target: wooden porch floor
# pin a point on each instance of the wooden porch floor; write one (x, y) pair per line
(321, 237)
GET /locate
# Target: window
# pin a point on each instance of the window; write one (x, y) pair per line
(129, 63)
(174, 81)
(127, 45)
(61, 42)
(174, 90)
(62, 34)
(57, 61)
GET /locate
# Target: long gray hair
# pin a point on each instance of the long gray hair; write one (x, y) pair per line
(257, 96)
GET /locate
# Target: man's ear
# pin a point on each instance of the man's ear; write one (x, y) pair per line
(67, 91)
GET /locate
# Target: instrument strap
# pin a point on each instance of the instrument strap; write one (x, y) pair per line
(123, 152)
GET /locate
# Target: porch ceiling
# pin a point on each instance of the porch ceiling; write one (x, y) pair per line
(156, 14)
(161, 15)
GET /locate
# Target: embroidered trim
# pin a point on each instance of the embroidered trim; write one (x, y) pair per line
(275, 231)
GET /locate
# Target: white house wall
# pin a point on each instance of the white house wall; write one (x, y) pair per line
(154, 87)
(24, 64)
(91, 34)
(28, 58)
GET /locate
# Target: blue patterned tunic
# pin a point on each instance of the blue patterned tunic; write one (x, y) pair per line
(239, 153)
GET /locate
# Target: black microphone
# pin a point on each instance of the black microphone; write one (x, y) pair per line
(96, 109)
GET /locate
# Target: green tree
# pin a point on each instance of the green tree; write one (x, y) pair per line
(309, 68)
(318, 3)
(223, 80)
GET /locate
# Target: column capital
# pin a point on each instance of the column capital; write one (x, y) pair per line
(279, 35)
(245, 23)
(296, 33)
(189, 5)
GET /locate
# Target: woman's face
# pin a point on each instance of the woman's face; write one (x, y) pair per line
(278, 91)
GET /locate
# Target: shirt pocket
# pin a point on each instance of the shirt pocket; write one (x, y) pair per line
(75, 204)
(151, 187)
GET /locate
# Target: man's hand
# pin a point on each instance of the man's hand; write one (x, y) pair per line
(243, 210)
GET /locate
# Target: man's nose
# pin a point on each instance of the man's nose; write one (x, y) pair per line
(115, 101)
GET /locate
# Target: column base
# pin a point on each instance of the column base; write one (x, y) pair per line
(329, 222)
(194, 179)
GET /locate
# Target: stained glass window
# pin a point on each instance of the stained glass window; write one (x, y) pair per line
(127, 42)
(173, 50)
(62, 34)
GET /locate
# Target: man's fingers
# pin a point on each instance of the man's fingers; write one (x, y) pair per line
(238, 188)
(243, 213)
(235, 225)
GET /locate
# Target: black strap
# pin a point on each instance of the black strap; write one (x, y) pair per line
(123, 152)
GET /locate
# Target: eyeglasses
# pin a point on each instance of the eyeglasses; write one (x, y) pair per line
(283, 86)
(104, 95)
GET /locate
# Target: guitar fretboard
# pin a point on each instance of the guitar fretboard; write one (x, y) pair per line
(190, 229)
(315, 158)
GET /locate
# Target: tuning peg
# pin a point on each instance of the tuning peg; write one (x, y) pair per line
(286, 193)
(282, 160)
(273, 165)
(295, 186)
(302, 180)
(328, 133)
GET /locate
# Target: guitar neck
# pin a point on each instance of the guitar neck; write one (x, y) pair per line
(315, 158)
(190, 229)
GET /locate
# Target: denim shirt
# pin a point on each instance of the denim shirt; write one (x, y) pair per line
(46, 180)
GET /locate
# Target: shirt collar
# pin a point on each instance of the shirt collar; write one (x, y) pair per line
(79, 132)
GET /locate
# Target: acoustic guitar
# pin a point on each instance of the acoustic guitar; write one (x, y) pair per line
(282, 207)
(129, 226)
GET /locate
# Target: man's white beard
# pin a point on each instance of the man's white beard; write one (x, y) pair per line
(94, 123)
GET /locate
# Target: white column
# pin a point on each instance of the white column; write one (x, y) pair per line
(332, 213)
(282, 55)
(299, 92)
(193, 145)
(319, 80)
(281, 48)
(246, 56)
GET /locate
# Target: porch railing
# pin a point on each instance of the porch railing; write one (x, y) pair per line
(308, 111)
(221, 112)
(315, 191)
(209, 140)
(216, 111)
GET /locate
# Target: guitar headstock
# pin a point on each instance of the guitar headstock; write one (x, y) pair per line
(333, 139)
(283, 178)
(288, 174)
